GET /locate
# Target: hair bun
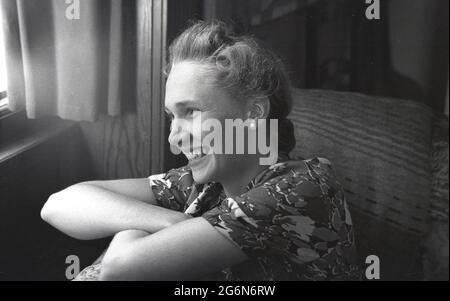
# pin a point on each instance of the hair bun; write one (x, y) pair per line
(220, 35)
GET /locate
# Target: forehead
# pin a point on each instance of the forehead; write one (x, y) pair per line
(188, 81)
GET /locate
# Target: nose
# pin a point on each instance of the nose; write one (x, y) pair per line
(178, 133)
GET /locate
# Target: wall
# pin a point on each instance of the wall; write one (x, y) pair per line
(49, 159)
(446, 100)
(419, 45)
(324, 43)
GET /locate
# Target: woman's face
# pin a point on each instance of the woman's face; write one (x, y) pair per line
(190, 97)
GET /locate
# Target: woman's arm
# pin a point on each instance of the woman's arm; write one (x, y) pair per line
(138, 189)
(88, 211)
(187, 250)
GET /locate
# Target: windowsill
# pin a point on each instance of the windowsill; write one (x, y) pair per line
(4, 111)
(32, 133)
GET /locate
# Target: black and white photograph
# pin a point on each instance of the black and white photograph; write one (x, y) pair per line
(213, 142)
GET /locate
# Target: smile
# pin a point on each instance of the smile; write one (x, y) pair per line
(197, 160)
(192, 156)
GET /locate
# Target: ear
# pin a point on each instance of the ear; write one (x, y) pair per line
(259, 108)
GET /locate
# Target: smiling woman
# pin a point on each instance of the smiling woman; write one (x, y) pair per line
(223, 216)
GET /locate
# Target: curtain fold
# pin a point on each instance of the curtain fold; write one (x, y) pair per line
(64, 66)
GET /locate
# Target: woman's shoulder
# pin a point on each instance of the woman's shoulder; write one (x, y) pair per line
(317, 164)
(294, 187)
(171, 189)
(317, 170)
(180, 178)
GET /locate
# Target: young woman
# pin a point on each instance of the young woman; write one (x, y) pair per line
(223, 216)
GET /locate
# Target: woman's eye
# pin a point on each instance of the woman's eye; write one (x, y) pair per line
(190, 112)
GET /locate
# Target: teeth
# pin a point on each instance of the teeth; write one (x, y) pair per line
(194, 156)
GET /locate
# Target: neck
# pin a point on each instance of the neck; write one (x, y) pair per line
(236, 183)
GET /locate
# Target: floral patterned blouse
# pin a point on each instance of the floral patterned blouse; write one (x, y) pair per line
(292, 221)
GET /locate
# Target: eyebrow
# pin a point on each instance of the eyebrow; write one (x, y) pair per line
(185, 103)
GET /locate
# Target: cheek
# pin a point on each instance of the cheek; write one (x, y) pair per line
(219, 114)
(206, 126)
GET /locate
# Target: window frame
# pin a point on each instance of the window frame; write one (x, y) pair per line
(4, 107)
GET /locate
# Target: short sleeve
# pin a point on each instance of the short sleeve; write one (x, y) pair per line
(291, 220)
(172, 189)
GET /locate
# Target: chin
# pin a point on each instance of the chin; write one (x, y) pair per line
(205, 171)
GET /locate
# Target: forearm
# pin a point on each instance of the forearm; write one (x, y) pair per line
(187, 250)
(121, 241)
(125, 238)
(89, 212)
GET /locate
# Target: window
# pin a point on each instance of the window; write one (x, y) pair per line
(3, 81)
